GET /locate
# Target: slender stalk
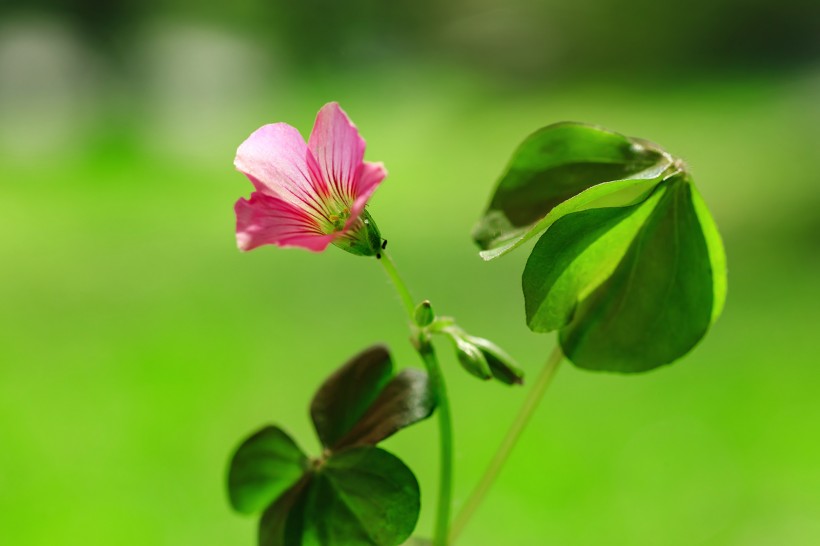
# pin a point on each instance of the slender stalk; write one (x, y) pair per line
(445, 425)
(513, 434)
(401, 288)
(428, 356)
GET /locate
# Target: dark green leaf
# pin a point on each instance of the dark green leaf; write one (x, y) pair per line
(561, 169)
(361, 497)
(347, 394)
(355, 494)
(282, 523)
(659, 300)
(407, 399)
(573, 257)
(263, 467)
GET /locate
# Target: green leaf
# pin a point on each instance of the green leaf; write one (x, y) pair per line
(407, 399)
(361, 497)
(263, 467)
(354, 493)
(717, 255)
(659, 300)
(564, 168)
(347, 394)
(282, 523)
(573, 257)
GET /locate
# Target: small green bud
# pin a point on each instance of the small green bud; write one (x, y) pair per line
(471, 358)
(502, 365)
(424, 314)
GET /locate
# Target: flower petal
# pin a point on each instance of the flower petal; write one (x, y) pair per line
(338, 148)
(276, 159)
(266, 220)
(368, 178)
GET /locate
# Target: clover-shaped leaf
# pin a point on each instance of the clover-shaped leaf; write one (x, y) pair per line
(564, 168)
(406, 399)
(355, 493)
(659, 300)
(345, 396)
(631, 271)
(363, 403)
(577, 252)
(265, 466)
(363, 495)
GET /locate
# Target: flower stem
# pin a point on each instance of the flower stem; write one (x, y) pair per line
(513, 434)
(445, 425)
(401, 288)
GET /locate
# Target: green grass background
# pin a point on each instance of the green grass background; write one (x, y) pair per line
(138, 346)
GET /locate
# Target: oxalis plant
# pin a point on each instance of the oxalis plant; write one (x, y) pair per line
(628, 268)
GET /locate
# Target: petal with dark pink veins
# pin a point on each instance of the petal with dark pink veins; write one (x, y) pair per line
(277, 161)
(339, 149)
(266, 220)
(369, 177)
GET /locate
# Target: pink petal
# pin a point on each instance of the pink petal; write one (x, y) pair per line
(368, 178)
(276, 159)
(338, 149)
(267, 220)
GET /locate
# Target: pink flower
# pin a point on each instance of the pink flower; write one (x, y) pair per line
(308, 195)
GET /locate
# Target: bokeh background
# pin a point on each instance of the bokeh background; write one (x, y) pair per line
(138, 346)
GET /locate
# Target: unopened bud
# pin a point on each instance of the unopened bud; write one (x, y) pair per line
(424, 314)
(472, 358)
(502, 366)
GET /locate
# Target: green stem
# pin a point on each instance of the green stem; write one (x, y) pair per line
(401, 288)
(513, 434)
(428, 355)
(445, 425)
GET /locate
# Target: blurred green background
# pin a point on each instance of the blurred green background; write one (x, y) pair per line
(138, 346)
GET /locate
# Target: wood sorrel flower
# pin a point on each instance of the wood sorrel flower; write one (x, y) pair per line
(310, 194)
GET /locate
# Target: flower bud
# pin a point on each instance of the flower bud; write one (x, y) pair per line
(424, 314)
(471, 358)
(502, 366)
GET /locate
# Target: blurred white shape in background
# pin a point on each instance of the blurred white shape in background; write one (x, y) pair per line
(201, 86)
(47, 89)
